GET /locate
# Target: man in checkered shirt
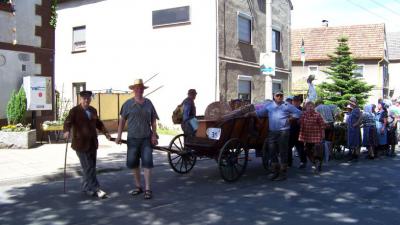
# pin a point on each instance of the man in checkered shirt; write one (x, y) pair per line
(312, 132)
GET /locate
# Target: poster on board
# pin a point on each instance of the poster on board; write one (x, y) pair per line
(38, 92)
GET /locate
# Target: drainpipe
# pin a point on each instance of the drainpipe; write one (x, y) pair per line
(379, 73)
(268, 45)
(217, 94)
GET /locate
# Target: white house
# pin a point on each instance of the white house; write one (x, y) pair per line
(107, 44)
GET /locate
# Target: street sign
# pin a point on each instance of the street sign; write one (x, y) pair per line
(267, 63)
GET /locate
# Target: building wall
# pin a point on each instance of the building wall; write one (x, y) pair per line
(394, 77)
(238, 58)
(373, 75)
(34, 49)
(122, 46)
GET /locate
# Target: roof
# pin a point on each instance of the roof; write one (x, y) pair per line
(365, 41)
(393, 42)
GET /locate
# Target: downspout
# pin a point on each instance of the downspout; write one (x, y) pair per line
(217, 94)
(379, 74)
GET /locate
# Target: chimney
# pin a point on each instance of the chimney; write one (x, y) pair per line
(325, 23)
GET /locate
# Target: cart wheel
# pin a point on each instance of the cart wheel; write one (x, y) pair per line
(184, 162)
(266, 159)
(232, 160)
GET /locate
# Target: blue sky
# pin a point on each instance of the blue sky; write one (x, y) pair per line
(310, 13)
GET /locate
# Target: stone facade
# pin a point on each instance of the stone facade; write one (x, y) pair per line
(238, 59)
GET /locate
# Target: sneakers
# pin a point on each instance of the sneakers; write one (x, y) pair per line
(101, 194)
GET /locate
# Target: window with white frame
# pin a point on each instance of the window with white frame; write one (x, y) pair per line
(165, 17)
(244, 28)
(276, 40)
(79, 39)
(313, 70)
(359, 71)
(244, 87)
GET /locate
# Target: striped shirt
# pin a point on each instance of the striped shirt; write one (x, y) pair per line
(140, 117)
(327, 112)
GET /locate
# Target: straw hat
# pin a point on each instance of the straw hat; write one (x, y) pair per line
(138, 82)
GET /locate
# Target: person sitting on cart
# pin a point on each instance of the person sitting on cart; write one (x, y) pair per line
(142, 135)
(189, 114)
(83, 121)
(280, 114)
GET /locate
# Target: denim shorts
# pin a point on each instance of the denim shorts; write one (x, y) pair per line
(139, 149)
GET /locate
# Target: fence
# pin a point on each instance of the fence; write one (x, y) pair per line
(108, 106)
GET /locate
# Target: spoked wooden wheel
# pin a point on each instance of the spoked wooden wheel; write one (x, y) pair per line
(232, 160)
(183, 161)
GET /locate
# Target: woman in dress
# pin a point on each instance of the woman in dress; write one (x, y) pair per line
(354, 130)
(381, 127)
(369, 130)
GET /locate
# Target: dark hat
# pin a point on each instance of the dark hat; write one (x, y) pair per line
(85, 94)
(353, 100)
(297, 98)
(278, 92)
(192, 91)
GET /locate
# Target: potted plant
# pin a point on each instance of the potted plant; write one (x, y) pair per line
(15, 134)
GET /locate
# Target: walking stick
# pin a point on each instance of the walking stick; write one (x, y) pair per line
(65, 162)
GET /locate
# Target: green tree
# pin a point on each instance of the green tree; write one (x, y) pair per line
(344, 82)
(16, 107)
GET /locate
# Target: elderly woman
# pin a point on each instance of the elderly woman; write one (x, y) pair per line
(369, 129)
(312, 132)
(353, 130)
(381, 121)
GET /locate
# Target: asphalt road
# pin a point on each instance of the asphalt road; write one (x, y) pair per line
(367, 192)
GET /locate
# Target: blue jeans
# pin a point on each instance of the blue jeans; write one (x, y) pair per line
(139, 149)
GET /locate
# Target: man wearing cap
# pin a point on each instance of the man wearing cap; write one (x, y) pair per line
(142, 135)
(189, 112)
(83, 121)
(329, 114)
(280, 115)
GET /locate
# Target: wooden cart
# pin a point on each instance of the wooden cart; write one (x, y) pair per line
(237, 136)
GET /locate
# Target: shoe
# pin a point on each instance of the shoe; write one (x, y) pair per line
(281, 177)
(273, 176)
(148, 194)
(302, 166)
(136, 191)
(101, 194)
(89, 193)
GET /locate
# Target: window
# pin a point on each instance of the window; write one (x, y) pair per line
(171, 16)
(244, 88)
(313, 70)
(359, 71)
(79, 39)
(276, 86)
(276, 41)
(244, 28)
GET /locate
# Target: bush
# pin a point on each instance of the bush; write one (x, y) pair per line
(16, 107)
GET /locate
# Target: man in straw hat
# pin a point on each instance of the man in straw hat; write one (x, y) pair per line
(142, 135)
(83, 120)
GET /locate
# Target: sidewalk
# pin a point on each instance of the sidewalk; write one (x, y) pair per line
(46, 162)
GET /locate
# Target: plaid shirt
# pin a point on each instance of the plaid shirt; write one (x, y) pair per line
(311, 127)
